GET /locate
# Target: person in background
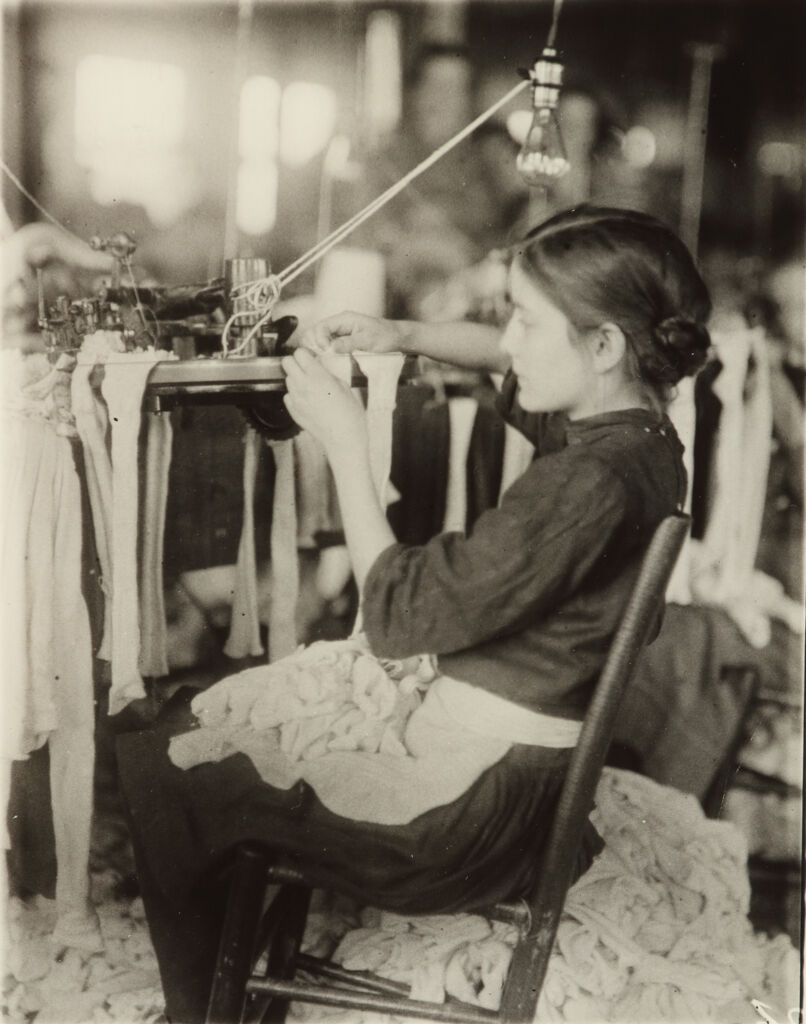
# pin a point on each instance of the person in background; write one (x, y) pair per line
(68, 265)
(609, 313)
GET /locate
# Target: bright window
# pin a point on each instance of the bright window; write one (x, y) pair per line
(383, 82)
(307, 121)
(293, 125)
(256, 205)
(258, 128)
(129, 127)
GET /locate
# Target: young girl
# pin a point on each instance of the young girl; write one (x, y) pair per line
(609, 313)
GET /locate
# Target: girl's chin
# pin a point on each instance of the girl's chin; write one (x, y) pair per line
(529, 404)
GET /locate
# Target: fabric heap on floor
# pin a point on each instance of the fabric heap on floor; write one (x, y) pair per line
(46, 981)
(656, 930)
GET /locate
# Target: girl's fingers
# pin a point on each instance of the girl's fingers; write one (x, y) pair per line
(294, 409)
(346, 343)
(304, 358)
(318, 339)
(289, 365)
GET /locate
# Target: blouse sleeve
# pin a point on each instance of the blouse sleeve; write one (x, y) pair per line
(518, 563)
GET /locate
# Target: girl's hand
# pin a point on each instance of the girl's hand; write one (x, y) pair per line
(322, 404)
(346, 332)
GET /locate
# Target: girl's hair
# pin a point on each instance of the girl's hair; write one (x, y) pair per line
(598, 264)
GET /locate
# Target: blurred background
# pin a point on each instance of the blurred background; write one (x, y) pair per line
(252, 125)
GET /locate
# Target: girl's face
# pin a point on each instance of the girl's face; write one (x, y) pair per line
(553, 368)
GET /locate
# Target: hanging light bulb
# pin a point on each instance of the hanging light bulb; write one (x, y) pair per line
(542, 159)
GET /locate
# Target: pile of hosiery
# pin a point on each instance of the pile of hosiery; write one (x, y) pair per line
(656, 930)
(331, 696)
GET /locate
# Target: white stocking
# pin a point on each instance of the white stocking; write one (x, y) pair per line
(383, 373)
(71, 744)
(462, 415)
(125, 378)
(284, 559)
(244, 634)
(91, 423)
(153, 631)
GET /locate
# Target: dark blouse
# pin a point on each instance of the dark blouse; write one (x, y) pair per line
(526, 604)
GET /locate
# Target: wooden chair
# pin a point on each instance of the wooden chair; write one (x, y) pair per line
(241, 993)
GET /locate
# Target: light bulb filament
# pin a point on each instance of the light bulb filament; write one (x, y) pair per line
(542, 159)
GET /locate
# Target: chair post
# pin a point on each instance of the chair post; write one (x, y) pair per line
(234, 963)
(530, 960)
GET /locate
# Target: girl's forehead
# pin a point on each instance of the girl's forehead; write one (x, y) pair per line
(523, 288)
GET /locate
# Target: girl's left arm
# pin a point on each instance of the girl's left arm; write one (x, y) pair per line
(323, 405)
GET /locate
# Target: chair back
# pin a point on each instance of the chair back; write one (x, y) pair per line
(530, 959)
(361, 991)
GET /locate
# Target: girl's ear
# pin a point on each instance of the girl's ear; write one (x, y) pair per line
(609, 347)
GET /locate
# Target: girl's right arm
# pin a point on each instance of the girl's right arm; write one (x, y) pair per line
(468, 345)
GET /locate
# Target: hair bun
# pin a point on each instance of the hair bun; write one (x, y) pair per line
(681, 348)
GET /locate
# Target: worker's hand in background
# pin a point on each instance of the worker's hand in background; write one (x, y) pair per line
(64, 259)
(322, 404)
(350, 332)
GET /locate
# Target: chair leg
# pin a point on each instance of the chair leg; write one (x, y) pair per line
(281, 932)
(238, 936)
(527, 971)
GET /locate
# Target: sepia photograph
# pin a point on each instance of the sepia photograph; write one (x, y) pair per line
(401, 511)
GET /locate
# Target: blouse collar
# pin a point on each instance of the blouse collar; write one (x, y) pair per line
(588, 428)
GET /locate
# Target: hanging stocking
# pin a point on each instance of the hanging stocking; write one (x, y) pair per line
(462, 413)
(153, 630)
(92, 423)
(284, 558)
(244, 634)
(125, 377)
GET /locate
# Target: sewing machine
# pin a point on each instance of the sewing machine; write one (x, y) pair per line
(189, 320)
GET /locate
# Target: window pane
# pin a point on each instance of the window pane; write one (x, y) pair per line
(383, 86)
(256, 206)
(307, 121)
(127, 103)
(129, 127)
(259, 117)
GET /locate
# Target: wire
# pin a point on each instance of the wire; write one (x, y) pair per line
(261, 296)
(32, 199)
(558, 5)
(127, 260)
(317, 251)
(254, 291)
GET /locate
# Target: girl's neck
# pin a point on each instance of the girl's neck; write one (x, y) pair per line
(626, 396)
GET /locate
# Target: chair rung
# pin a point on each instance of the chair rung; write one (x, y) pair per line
(282, 874)
(510, 913)
(451, 1013)
(363, 979)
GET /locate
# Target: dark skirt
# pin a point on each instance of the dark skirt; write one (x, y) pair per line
(483, 847)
